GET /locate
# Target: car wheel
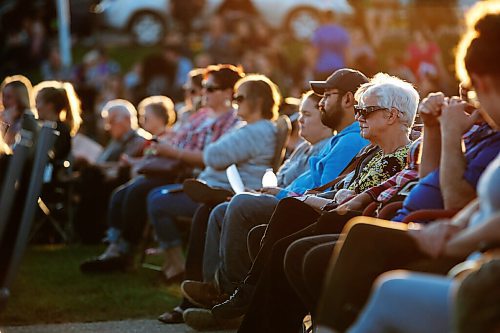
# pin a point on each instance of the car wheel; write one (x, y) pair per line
(147, 28)
(301, 22)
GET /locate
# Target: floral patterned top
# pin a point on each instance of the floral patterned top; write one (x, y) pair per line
(380, 168)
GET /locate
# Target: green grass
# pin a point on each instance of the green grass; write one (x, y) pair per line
(49, 288)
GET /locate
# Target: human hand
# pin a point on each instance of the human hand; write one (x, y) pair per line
(270, 190)
(455, 118)
(430, 109)
(343, 195)
(164, 149)
(432, 238)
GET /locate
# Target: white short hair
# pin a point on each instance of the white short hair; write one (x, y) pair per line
(392, 92)
(123, 108)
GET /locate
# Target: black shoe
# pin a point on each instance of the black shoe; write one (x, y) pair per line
(202, 193)
(109, 264)
(237, 305)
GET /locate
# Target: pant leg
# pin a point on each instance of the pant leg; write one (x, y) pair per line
(291, 215)
(163, 209)
(371, 247)
(134, 207)
(275, 306)
(243, 213)
(211, 260)
(195, 249)
(196, 244)
(115, 208)
(253, 240)
(302, 274)
(408, 303)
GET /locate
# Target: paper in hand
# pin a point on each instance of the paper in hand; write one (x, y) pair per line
(235, 179)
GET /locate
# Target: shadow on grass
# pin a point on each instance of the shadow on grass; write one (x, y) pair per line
(50, 288)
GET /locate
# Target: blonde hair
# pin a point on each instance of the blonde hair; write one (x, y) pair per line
(66, 102)
(260, 86)
(162, 106)
(22, 90)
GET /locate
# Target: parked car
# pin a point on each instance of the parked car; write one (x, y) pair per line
(147, 20)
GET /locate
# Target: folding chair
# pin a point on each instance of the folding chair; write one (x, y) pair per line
(13, 177)
(284, 128)
(45, 142)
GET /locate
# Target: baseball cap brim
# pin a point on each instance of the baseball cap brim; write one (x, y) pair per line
(318, 87)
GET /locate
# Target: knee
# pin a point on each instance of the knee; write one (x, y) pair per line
(387, 284)
(154, 202)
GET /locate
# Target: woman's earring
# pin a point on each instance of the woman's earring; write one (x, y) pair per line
(228, 102)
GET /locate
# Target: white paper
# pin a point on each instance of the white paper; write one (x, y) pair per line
(235, 179)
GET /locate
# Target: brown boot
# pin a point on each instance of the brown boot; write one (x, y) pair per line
(202, 294)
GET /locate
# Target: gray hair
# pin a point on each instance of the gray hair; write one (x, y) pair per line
(392, 92)
(123, 108)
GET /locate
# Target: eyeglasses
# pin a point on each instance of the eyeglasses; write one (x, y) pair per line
(363, 111)
(238, 99)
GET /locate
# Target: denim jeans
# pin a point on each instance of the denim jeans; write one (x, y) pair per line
(165, 204)
(226, 252)
(127, 209)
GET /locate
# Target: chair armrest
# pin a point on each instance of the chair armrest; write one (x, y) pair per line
(429, 215)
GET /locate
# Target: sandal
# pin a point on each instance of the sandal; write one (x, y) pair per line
(172, 317)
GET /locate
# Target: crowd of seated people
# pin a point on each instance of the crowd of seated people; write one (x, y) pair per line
(323, 241)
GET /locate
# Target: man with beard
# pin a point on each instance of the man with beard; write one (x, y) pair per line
(226, 258)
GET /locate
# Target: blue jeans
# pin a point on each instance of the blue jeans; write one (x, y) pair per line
(226, 252)
(410, 303)
(127, 209)
(165, 204)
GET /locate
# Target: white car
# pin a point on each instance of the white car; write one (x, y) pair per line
(146, 20)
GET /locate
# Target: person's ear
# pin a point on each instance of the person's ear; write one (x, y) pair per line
(482, 83)
(348, 100)
(392, 116)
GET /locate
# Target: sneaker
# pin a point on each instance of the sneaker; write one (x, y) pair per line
(202, 294)
(110, 261)
(203, 320)
(237, 305)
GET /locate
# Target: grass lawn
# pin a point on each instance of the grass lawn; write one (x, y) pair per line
(49, 288)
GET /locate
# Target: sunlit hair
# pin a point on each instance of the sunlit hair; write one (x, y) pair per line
(123, 108)
(22, 90)
(391, 92)
(260, 87)
(478, 50)
(196, 76)
(66, 103)
(161, 106)
(225, 75)
(313, 96)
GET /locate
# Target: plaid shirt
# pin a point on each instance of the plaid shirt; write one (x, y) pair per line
(388, 189)
(200, 129)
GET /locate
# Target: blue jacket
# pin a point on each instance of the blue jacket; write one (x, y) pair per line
(329, 163)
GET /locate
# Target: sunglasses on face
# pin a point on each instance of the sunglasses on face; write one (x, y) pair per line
(238, 99)
(211, 88)
(363, 111)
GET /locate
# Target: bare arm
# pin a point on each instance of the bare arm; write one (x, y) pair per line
(469, 240)
(192, 157)
(430, 109)
(456, 191)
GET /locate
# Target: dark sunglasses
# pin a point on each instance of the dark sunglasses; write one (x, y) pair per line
(238, 99)
(363, 111)
(192, 91)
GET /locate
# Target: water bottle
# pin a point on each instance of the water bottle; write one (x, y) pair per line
(269, 179)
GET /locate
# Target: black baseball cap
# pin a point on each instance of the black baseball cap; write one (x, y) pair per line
(344, 79)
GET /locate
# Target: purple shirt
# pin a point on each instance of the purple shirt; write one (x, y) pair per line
(331, 41)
